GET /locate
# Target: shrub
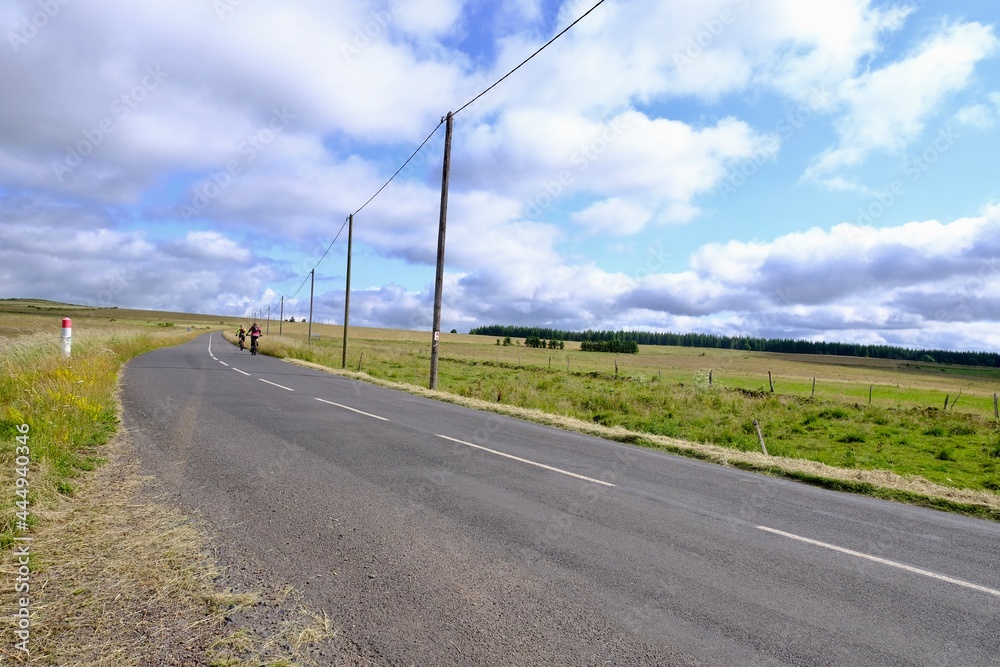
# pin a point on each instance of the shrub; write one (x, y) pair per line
(946, 453)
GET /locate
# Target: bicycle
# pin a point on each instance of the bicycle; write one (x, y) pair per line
(242, 339)
(253, 345)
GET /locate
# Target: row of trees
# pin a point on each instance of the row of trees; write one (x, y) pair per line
(613, 345)
(535, 341)
(751, 343)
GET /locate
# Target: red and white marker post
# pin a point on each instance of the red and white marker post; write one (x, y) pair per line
(67, 336)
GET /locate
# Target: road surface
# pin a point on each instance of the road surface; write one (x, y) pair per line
(438, 535)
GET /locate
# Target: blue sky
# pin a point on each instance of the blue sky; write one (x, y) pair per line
(773, 168)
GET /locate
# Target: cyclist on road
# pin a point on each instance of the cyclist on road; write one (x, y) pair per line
(254, 335)
(243, 336)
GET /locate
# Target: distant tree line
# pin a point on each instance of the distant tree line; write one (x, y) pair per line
(535, 341)
(614, 345)
(749, 343)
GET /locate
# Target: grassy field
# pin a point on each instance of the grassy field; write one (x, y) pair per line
(115, 577)
(68, 406)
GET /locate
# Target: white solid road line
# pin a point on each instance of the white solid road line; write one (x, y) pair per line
(276, 384)
(366, 414)
(534, 463)
(884, 561)
(239, 371)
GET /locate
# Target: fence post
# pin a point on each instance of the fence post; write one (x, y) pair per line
(770, 381)
(996, 411)
(760, 436)
(813, 395)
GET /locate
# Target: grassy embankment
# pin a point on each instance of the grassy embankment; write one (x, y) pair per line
(872, 426)
(115, 578)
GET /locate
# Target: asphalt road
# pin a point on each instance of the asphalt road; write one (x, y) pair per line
(438, 535)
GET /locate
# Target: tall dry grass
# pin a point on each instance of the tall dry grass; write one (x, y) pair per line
(116, 577)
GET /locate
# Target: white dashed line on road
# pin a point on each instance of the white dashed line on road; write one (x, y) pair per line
(884, 561)
(534, 463)
(276, 384)
(367, 414)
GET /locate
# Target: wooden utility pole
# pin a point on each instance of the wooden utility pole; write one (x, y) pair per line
(312, 289)
(347, 290)
(439, 276)
(281, 318)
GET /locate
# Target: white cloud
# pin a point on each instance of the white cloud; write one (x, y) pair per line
(658, 165)
(809, 46)
(889, 107)
(614, 216)
(982, 116)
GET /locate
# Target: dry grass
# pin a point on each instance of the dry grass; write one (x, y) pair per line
(122, 579)
(117, 575)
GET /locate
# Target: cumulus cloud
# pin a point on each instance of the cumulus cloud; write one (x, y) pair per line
(889, 107)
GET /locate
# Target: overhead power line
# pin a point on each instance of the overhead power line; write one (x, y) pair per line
(384, 185)
(437, 127)
(401, 168)
(320, 260)
(542, 48)
(494, 85)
